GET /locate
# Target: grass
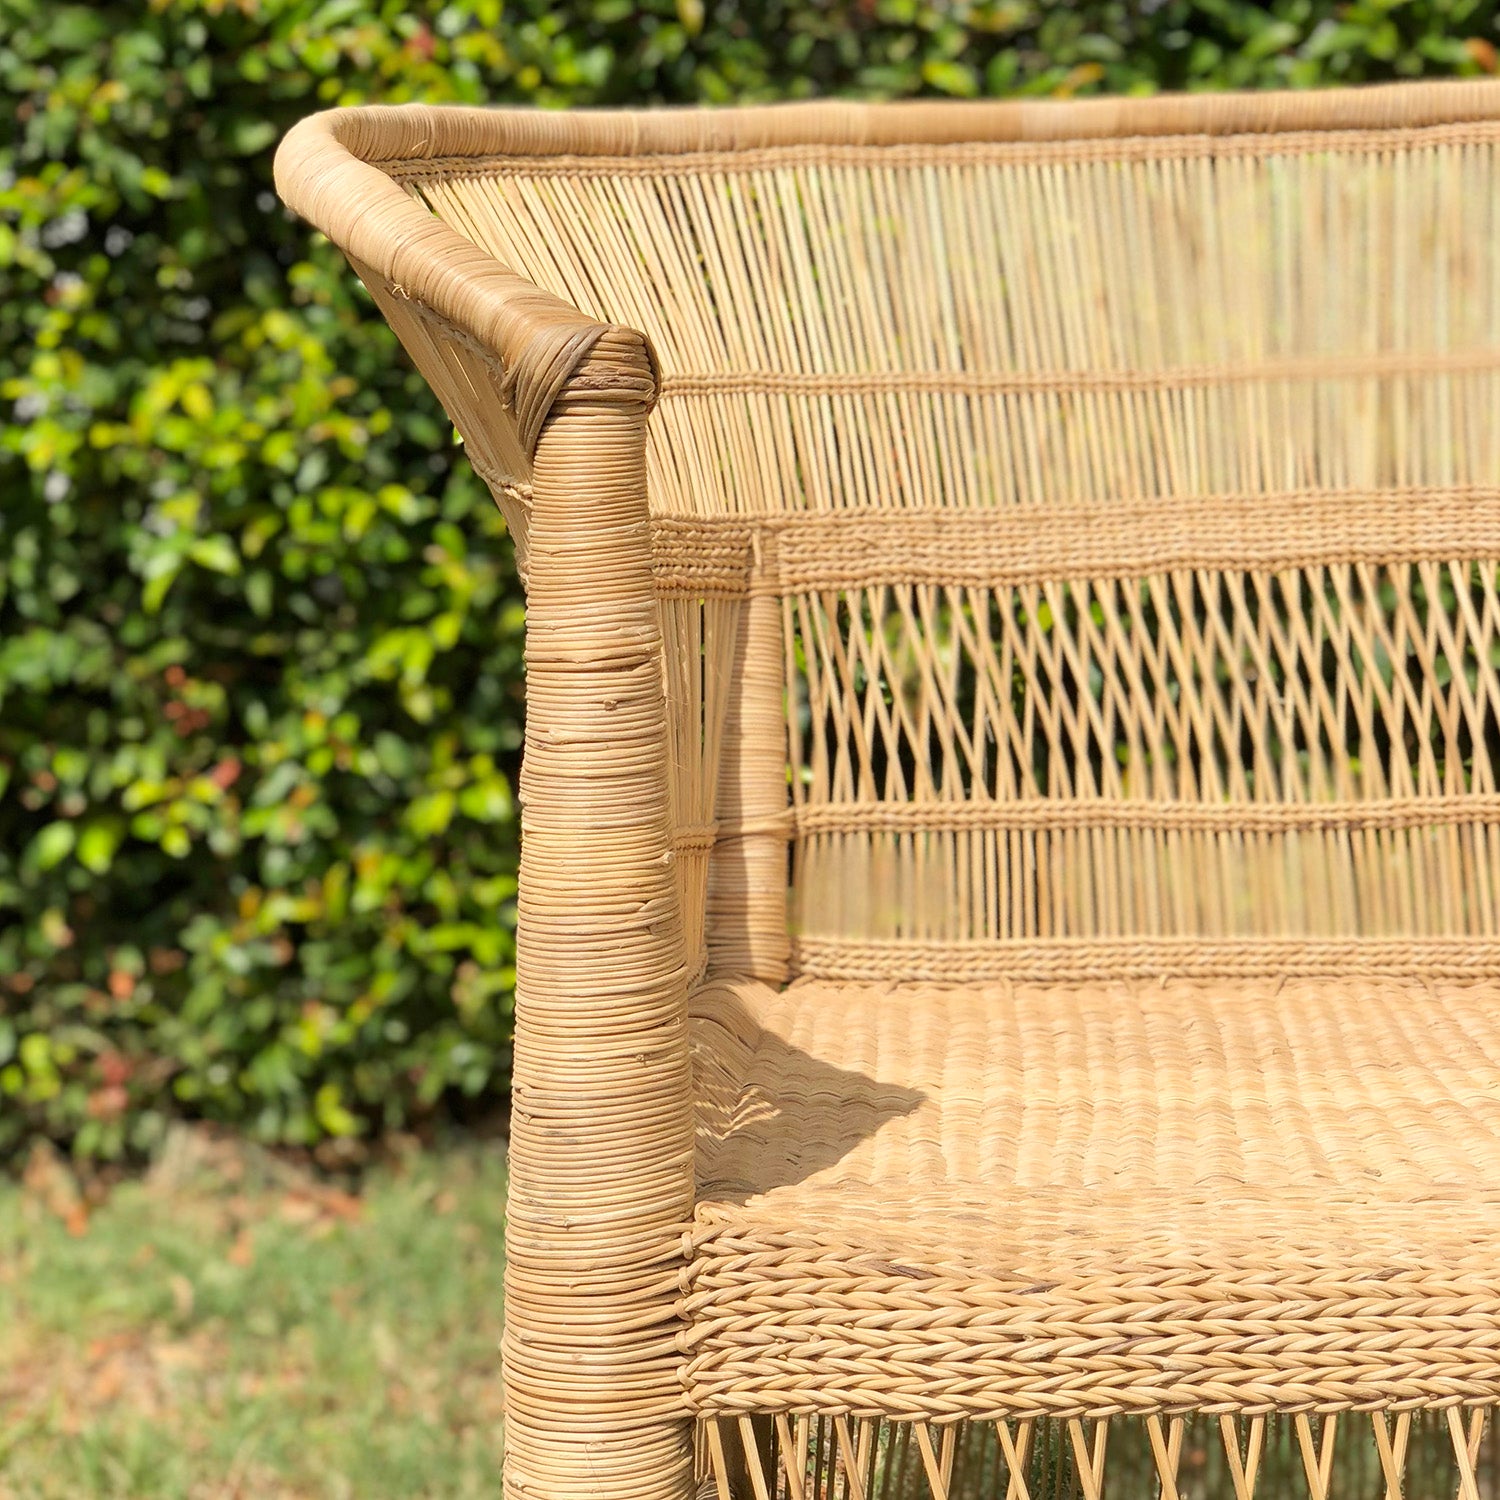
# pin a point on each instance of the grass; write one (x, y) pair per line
(229, 1328)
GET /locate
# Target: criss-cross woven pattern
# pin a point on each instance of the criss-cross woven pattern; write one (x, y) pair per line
(1013, 600)
(1089, 477)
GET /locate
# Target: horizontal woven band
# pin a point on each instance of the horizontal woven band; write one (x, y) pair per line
(692, 558)
(1384, 366)
(1081, 960)
(784, 1323)
(815, 551)
(719, 160)
(1057, 813)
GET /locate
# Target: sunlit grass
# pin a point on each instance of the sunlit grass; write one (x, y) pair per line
(230, 1328)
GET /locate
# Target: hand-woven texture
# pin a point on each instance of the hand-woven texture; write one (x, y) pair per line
(1039, 1201)
(1025, 576)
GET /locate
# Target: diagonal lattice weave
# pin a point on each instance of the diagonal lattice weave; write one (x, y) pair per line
(1309, 752)
(1146, 360)
(1031, 572)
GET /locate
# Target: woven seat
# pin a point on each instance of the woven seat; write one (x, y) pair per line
(1009, 910)
(1090, 1200)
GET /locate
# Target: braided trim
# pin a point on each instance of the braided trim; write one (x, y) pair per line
(1191, 147)
(1083, 960)
(826, 551)
(1054, 814)
(1387, 365)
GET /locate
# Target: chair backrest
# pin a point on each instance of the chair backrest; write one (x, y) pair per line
(1077, 526)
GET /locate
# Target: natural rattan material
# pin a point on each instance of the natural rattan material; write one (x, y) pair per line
(1081, 1201)
(1028, 574)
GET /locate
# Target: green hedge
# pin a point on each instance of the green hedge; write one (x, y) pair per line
(260, 695)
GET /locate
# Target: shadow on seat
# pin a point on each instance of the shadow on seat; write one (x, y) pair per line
(771, 1115)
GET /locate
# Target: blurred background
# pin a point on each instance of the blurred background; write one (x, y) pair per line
(260, 700)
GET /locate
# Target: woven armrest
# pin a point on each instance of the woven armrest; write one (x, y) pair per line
(552, 405)
(326, 171)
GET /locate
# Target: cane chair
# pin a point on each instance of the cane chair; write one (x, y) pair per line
(1009, 937)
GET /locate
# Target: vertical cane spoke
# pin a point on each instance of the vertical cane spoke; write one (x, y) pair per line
(866, 1450)
(1016, 1450)
(753, 1465)
(936, 1479)
(718, 1461)
(1317, 1461)
(854, 1479)
(1090, 1463)
(793, 1455)
(1309, 1459)
(949, 1453)
(1167, 1451)
(1325, 1451)
(1255, 1445)
(1242, 1469)
(1466, 1449)
(1392, 1451)
(1477, 1419)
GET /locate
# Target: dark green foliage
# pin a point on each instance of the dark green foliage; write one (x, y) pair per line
(260, 687)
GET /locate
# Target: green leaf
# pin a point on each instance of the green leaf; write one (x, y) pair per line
(331, 1112)
(1273, 37)
(252, 136)
(75, 29)
(52, 845)
(97, 845)
(951, 78)
(197, 402)
(430, 815)
(154, 594)
(217, 553)
(260, 592)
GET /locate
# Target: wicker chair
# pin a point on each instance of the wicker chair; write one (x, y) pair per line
(1010, 882)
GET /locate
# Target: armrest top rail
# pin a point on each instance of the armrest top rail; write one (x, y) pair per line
(544, 346)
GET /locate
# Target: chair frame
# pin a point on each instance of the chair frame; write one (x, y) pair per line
(554, 407)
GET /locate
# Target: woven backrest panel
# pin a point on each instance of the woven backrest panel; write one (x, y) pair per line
(1119, 518)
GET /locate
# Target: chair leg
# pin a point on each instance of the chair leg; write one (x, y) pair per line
(601, 1149)
(742, 1459)
(651, 1462)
